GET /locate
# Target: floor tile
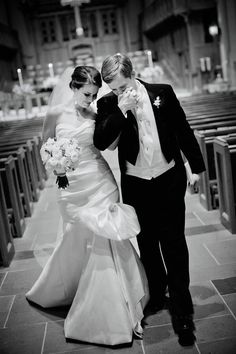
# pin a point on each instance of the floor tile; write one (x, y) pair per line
(161, 339)
(224, 251)
(23, 312)
(30, 253)
(215, 328)
(202, 229)
(203, 272)
(24, 264)
(2, 275)
(24, 255)
(189, 215)
(207, 302)
(198, 255)
(231, 302)
(192, 223)
(22, 340)
(224, 346)
(160, 318)
(210, 237)
(18, 282)
(225, 286)
(208, 217)
(23, 244)
(5, 305)
(26, 241)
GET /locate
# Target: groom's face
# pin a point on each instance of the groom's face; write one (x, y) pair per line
(121, 83)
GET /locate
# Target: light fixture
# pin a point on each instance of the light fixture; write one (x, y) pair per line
(213, 30)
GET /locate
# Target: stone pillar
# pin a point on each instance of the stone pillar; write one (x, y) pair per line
(224, 40)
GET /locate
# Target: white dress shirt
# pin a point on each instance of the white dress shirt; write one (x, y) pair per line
(150, 162)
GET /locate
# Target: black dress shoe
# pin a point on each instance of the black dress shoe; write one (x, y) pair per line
(184, 328)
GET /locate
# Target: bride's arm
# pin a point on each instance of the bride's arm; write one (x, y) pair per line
(49, 124)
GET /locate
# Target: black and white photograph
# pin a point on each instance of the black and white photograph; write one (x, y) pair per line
(117, 176)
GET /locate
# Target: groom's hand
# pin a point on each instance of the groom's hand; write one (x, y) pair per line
(127, 100)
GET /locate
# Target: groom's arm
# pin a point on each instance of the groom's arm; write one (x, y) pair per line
(109, 123)
(184, 133)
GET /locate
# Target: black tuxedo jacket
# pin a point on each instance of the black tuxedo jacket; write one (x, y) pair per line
(174, 131)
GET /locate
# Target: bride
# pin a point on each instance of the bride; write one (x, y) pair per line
(94, 268)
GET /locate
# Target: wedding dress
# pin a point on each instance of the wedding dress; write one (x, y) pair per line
(95, 267)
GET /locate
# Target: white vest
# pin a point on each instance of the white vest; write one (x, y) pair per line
(150, 162)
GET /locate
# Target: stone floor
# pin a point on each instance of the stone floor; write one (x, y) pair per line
(30, 330)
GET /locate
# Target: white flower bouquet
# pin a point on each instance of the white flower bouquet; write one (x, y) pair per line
(60, 156)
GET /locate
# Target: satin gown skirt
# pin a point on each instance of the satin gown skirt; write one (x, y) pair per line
(94, 268)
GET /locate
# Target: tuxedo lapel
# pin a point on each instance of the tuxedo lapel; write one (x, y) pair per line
(153, 94)
(130, 138)
(132, 121)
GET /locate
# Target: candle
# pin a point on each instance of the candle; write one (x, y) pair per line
(51, 72)
(208, 63)
(20, 77)
(149, 54)
(202, 64)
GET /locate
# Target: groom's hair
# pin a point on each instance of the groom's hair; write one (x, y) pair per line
(114, 65)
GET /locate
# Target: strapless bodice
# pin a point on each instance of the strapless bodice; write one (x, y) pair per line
(84, 136)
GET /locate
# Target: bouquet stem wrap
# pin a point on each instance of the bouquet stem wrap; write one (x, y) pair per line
(62, 181)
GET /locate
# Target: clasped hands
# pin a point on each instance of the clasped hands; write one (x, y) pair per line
(128, 100)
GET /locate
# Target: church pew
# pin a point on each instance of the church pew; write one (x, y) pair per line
(8, 175)
(30, 166)
(34, 144)
(225, 157)
(213, 116)
(7, 249)
(19, 156)
(208, 191)
(212, 125)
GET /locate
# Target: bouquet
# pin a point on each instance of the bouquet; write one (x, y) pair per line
(60, 156)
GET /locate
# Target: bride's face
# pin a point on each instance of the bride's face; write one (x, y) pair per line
(85, 95)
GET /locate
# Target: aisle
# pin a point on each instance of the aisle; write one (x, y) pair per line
(28, 330)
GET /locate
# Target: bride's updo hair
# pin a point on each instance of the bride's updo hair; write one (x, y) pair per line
(84, 75)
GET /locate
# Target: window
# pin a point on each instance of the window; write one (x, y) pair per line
(68, 27)
(93, 25)
(109, 22)
(48, 32)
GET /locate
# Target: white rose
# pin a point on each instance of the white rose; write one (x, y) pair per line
(74, 156)
(52, 162)
(45, 156)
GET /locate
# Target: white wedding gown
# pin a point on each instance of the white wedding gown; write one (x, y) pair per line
(95, 267)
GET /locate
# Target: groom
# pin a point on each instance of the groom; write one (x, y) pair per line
(149, 127)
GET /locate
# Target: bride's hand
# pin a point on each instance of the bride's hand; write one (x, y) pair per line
(195, 181)
(60, 174)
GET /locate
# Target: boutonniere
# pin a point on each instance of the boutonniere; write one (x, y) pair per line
(157, 102)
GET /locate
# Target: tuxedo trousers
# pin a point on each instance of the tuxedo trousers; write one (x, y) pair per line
(160, 206)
